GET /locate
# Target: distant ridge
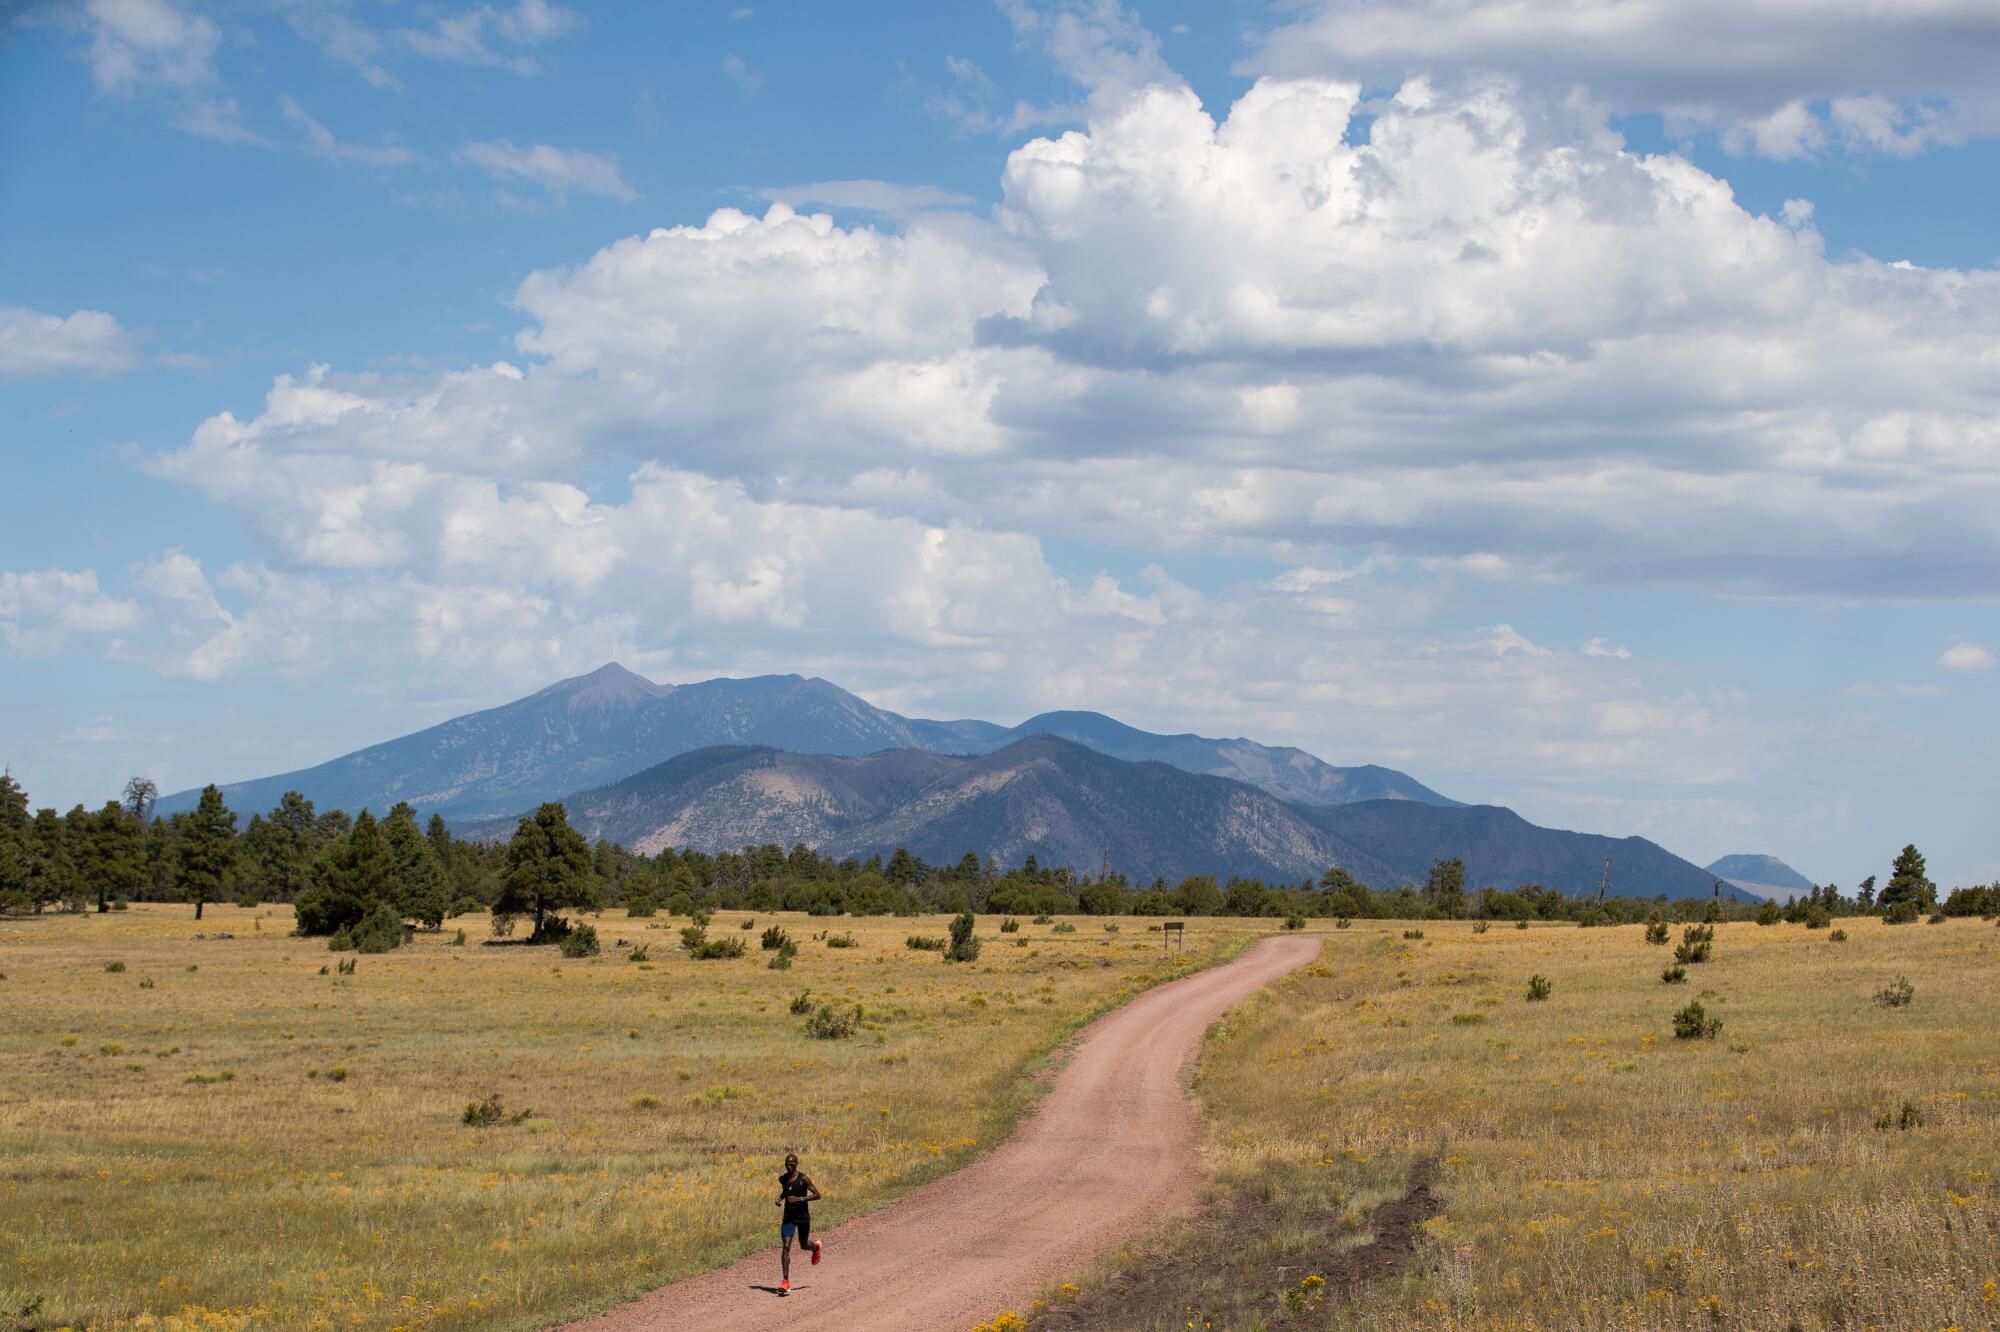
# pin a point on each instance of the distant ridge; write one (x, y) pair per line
(1766, 876)
(1070, 805)
(595, 729)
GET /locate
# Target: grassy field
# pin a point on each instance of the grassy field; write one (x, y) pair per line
(208, 1132)
(1593, 1171)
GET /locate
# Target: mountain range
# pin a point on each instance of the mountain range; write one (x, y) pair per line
(1765, 876)
(783, 758)
(1067, 804)
(598, 728)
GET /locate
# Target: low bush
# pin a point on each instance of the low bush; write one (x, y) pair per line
(828, 1023)
(643, 953)
(924, 943)
(346, 968)
(1902, 913)
(1044, 920)
(964, 943)
(774, 938)
(1769, 914)
(581, 942)
(1064, 928)
(1897, 994)
(1910, 1118)
(1656, 932)
(640, 908)
(748, 925)
(1838, 936)
(1674, 975)
(115, 968)
(1521, 924)
(782, 959)
(1343, 924)
(842, 940)
(1539, 988)
(1009, 925)
(1295, 921)
(1935, 918)
(1413, 934)
(1694, 1024)
(802, 1003)
(487, 1113)
(1478, 926)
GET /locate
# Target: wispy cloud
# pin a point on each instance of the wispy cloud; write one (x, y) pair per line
(559, 171)
(320, 142)
(868, 196)
(738, 72)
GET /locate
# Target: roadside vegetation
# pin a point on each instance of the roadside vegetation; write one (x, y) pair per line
(1820, 1151)
(216, 1124)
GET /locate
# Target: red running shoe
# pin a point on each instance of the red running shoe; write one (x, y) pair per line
(784, 1285)
(817, 1246)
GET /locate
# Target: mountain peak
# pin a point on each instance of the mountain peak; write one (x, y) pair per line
(1760, 873)
(609, 685)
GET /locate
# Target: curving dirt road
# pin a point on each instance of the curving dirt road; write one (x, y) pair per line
(1108, 1151)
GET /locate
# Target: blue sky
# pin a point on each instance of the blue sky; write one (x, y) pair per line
(1553, 401)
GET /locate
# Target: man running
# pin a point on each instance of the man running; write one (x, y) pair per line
(796, 1194)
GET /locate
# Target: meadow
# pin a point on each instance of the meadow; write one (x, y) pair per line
(1398, 1138)
(208, 1125)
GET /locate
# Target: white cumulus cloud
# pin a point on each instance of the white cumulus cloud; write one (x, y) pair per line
(33, 343)
(1966, 657)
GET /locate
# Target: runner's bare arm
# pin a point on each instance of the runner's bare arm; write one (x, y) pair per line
(812, 1190)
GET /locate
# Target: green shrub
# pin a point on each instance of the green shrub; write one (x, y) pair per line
(842, 940)
(747, 925)
(1009, 925)
(802, 1003)
(115, 968)
(1067, 928)
(580, 942)
(1674, 975)
(1467, 1019)
(774, 938)
(1110, 929)
(923, 943)
(1343, 924)
(640, 908)
(207, 1079)
(643, 953)
(1838, 936)
(1769, 914)
(1044, 920)
(1903, 1123)
(458, 940)
(1694, 1024)
(1478, 926)
(828, 1023)
(1695, 945)
(1817, 917)
(486, 1113)
(1902, 913)
(782, 959)
(1897, 994)
(1521, 924)
(1295, 921)
(964, 943)
(1539, 988)
(338, 1073)
(1413, 934)
(346, 968)
(1656, 932)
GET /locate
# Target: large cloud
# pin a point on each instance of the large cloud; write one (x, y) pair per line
(1781, 76)
(33, 343)
(1466, 333)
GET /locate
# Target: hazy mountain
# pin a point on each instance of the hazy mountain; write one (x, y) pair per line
(597, 728)
(1070, 805)
(1766, 876)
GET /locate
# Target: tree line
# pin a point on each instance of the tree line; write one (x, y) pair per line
(367, 880)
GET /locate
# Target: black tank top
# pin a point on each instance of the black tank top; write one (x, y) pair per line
(793, 1187)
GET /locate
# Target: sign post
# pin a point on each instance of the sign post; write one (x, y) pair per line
(1175, 930)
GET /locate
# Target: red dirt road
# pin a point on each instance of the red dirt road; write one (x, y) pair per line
(1108, 1152)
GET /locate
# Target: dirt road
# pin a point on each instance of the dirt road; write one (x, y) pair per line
(1108, 1151)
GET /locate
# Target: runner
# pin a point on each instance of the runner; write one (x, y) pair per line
(796, 1194)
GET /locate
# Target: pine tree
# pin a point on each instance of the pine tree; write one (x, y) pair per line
(421, 892)
(52, 876)
(548, 869)
(1908, 883)
(349, 879)
(1444, 889)
(14, 825)
(111, 854)
(283, 850)
(206, 850)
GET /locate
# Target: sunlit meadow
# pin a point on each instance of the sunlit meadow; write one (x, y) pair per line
(202, 1128)
(1595, 1171)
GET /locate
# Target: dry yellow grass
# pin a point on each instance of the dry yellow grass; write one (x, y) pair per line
(1595, 1171)
(137, 1192)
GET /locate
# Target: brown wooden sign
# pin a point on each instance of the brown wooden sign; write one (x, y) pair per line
(1175, 930)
